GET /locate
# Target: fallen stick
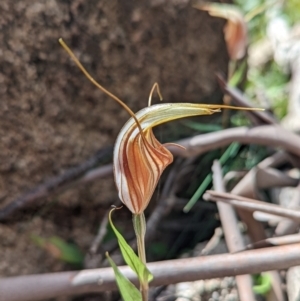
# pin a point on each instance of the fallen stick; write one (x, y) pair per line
(268, 135)
(233, 237)
(251, 204)
(39, 287)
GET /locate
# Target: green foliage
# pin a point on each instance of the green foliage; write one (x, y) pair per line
(269, 81)
(292, 10)
(158, 249)
(130, 257)
(239, 119)
(230, 152)
(273, 83)
(60, 249)
(110, 235)
(255, 15)
(128, 291)
(263, 284)
(238, 74)
(203, 186)
(201, 127)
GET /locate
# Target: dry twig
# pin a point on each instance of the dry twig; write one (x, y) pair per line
(92, 258)
(60, 182)
(257, 117)
(233, 236)
(275, 241)
(39, 287)
(251, 204)
(268, 135)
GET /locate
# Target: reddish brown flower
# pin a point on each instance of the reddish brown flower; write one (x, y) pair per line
(140, 159)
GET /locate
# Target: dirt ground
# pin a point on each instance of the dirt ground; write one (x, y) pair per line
(52, 118)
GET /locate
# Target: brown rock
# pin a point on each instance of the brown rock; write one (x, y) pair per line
(52, 118)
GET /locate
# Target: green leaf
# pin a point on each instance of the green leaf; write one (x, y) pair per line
(69, 251)
(263, 284)
(128, 291)
(230, 152)
(238, 74)
(201, 127)
(60, 249)
(130, 257)
(203, 186)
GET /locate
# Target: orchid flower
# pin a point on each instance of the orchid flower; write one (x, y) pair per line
(140, 159)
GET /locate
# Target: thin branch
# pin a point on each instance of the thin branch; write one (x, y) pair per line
(268, 135)
(248, 187)
(275, 241)
(234, 239)
(251, 204)
(96, 173)
(74, 175)
(241, 100)
(93, 258)
(213, 242)
(233, 236)
(100, 235)
(39, 287)
(287, 226)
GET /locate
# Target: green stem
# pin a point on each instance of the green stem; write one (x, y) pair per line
(139, 224)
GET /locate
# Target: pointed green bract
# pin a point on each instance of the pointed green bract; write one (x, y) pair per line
(128, 291)
(130, 257)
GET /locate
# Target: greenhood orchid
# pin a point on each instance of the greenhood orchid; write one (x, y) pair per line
(139, 158)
